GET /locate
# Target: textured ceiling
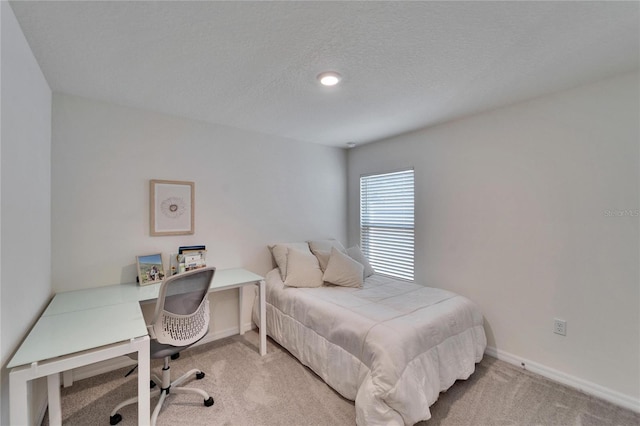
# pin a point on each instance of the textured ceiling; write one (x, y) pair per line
(253, 65)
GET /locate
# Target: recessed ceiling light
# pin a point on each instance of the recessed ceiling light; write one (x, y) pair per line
(329, 78)
(351, 144)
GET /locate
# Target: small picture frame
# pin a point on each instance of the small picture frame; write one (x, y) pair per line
(171, 207)
(150, 269)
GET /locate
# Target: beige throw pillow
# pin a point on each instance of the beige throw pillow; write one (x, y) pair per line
(325, 245)
(322, 250)
(279, 253)
(303, 269)
(323, 258)
(343, 270)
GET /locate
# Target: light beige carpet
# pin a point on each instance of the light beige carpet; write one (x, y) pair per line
(277, 390)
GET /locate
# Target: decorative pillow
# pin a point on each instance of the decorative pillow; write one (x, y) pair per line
(325, 245)
(323, 258)
(343, 270)
(356, 254)
(303, 269)
(322, 250)
(279, 253)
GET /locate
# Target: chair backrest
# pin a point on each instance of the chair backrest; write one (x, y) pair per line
(181, 317)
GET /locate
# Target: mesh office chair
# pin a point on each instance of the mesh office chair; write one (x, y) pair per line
(181, 319)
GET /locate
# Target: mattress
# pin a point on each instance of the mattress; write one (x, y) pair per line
(390, 346)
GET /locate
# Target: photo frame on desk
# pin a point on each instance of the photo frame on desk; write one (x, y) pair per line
(150, 269)
(171, 207)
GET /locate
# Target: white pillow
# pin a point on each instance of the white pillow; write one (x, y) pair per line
(303, 269)
(279, 253)
(356, 254)
(343, 270)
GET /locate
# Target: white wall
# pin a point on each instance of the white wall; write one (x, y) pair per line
(251, 190)
(25, 176)
(532, 212)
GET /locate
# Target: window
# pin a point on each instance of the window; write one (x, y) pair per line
(386, 222)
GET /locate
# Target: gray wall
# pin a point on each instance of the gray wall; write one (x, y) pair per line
(25, 215)
(532, 212)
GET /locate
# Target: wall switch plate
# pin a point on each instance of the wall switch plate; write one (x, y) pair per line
(560, 327)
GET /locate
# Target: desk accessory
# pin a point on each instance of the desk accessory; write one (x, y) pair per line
(188, 258)
(150, 269)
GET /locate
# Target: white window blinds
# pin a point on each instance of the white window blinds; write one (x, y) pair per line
(386, 222)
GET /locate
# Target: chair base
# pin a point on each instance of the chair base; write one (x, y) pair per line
(167, 387)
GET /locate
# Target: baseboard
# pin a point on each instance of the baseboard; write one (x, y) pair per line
(585, 386)
(212, 337)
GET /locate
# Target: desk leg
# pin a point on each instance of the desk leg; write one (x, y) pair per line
(144, 377)
(55, 408)
(240, 309)
(67, 378)
(263, 319)
(19, 400)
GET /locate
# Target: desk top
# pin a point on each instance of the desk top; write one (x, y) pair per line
(84, 319)
(223, 279)
(80, 330)
(91, 298)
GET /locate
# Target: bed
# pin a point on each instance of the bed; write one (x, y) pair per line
(389, 345)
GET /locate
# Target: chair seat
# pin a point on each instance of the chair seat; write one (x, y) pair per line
(161, 350)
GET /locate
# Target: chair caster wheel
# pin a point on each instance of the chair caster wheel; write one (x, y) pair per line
(115, 419)
(175, 356)
(208, 402)
(152, 384)
(200, 376)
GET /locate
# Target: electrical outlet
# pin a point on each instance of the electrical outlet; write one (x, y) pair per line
(560, 327)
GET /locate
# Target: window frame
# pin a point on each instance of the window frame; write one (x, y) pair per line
(388, 241)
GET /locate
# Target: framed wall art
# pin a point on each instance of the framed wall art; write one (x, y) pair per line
(150, 269)
(171, 207)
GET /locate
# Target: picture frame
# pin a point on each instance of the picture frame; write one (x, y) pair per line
(150, 268)
(171, 207)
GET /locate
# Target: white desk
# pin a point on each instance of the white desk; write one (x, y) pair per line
(223, 279)
(65, 337)
(70, 339)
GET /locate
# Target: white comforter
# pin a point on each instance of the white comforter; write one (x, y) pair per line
(391, 346)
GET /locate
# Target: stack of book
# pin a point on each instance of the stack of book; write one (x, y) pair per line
(188, 259)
